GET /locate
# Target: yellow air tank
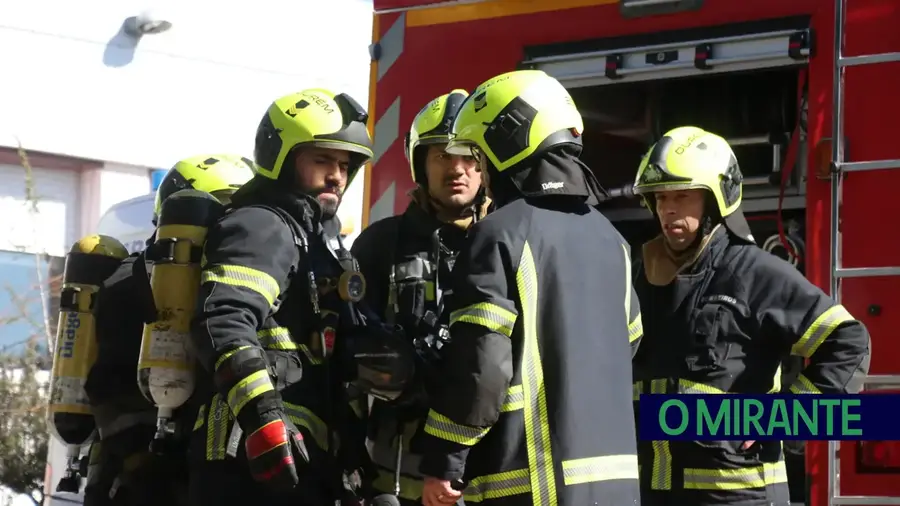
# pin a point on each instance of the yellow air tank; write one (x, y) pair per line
(90, 261)
(166, 365)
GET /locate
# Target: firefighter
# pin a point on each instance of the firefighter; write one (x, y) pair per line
(407, 261)
(270, 303)
(534, 403)
(121, 470)
(721, 314)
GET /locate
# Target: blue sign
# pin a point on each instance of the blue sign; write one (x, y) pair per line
(156, 177)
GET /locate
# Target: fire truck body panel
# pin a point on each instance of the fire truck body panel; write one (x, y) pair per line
(421, 51)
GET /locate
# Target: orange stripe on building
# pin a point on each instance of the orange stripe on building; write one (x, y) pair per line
(493, 9)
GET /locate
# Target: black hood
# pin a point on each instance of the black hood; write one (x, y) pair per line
(305, 209)
(557, 173)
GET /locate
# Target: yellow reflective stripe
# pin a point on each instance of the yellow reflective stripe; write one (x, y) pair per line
(277, 338)
(217, 428)
(304, 417)
(515, 399)
(658, 386)
(442, 427)
(735, 479)
(661, 477)
(691, 387)
(489, 316)
(819, 330)
(244, 277)
(201, 417)
(661, 472)
(495, 486)
(627, 284)
(249, 388)
(594, 469)
(223, 357)
(637, 388)
(537, 426)
(802, 385)
(635, 326)
(776, 382)
(635, 329)
(430, 292)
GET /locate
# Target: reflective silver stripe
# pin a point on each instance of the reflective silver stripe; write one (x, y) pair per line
(515, 399)
(661, 472)
(488, 315)
(277, 338)
(802, 385)
(537, 430)
(593, 469)
(735, 479)
(248, 388)
(635, 329)
(819, 330)
(442, 427)
(245, 277)
(692, 387)
(216, 428)
(495, 486)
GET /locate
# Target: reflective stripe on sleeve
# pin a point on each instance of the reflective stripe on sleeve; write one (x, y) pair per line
(279, 338)
(248, 389)
(495, 486)
(488, 315)
(802, 385)
(819, 330)
(515, 399)
(635, 329)
(444, 428)
(243, 277)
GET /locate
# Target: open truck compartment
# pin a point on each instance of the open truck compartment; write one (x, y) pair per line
(743, 81)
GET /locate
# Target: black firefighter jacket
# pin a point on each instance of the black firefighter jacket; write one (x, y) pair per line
(255, 293)
(724, 325)
(536, 406)
(406, 245)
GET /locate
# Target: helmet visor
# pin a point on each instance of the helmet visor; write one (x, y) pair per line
(463, 148)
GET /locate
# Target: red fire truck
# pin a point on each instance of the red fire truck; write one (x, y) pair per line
(766, 74)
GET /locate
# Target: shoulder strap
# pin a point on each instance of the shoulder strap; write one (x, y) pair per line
(144, 293)
(301, 241)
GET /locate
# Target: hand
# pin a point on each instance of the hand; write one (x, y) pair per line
(747, 444)
(439, 492)
(273, 451)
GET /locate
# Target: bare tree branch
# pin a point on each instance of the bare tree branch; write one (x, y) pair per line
(23, 395)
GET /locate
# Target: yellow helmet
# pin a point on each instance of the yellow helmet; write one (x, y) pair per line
(212, 174)
(514, 116)
(315, 117)
(690, 157)
(432, 125)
